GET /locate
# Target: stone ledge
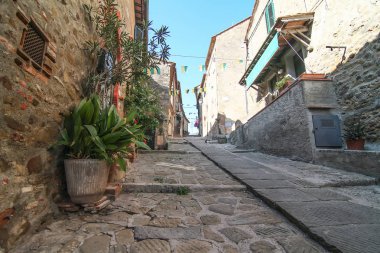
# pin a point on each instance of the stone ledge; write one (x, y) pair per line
(361, 161)
(173, 188)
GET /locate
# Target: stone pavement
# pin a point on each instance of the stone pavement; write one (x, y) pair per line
(339, 209)
(209, 219)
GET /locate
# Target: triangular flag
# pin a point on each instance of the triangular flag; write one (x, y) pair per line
(202, 68)
(241, 61)
(151, 71)
(158, 70)
(224, 66)
(187, 91)
(184, 69)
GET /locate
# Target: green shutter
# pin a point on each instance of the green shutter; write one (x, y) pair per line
(269, 16)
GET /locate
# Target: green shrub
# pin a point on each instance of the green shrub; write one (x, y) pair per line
(92, 132)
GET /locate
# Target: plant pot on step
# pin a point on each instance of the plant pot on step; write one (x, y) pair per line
(86, 179)
(355, 144)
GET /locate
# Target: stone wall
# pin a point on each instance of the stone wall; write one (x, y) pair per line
(282, 128)
(357, 85)
(32, 105)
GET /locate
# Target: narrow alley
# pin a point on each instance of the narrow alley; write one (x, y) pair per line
(166, 126)
(178, 200)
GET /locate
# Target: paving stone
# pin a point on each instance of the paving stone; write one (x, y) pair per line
(270, 184)
(139, 220)
(352, 238)
(150, 246)
(125, 237)
(207, 200)
(324, 194)
(258, 217)
(191, 221)
(95, 244)
(297, 245)
(118, 249)
(148, 232)
(193, 246)
(96, 228)
(235, 234)
(165, 222)
(69, 246)
(262, 175)
(210, 219)
(222, 209)
(118, 218)
(330, 213)
(272, 231)
(231, 201)
(286, 194)
(262, 247)
(229, 249)
(211, 235)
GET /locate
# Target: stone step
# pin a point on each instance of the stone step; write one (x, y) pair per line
(168, 152)
(173, 188)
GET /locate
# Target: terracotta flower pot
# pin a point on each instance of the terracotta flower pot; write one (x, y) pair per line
(355, 144)
(86, 179)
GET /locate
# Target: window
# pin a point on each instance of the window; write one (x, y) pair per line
(139, 33)
(269, 15)
(299, 66)
(33, 44)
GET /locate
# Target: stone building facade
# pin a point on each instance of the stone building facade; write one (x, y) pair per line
(223, 100)
(336, 38)
(42, 68)
(175, 121)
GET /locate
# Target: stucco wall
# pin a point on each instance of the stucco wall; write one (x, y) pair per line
(32, 108)
(280, 129)
(223, 94)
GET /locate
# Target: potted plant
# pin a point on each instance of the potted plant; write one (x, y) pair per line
(354, 135)
(94, 139)
(283, 83)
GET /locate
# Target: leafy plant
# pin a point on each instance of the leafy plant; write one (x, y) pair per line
(354, 131)
(92, 132)
(137, 55)
(280, 84)
(183, 190)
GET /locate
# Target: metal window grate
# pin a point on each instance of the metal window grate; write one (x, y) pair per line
(34, 44)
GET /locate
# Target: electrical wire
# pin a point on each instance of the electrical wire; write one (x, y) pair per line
(295, 51)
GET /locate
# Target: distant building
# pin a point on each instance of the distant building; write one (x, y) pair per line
(219, 98)
(175, 122)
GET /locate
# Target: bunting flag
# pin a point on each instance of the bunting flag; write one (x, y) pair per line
(202, 68)
(184, 69)
(241, 61)
(224, 66)
(187, 91)
(177, 92)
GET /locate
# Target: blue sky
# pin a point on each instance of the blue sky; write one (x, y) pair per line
(192, 23)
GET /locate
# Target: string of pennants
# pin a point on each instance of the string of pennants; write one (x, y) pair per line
(187, 91)
(184, 69)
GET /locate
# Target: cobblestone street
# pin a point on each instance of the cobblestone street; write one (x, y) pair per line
(217, 215)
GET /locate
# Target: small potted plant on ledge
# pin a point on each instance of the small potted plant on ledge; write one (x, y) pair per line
(354, 135)
(284, 83)
(94, 139)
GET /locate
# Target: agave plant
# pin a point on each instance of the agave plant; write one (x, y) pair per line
(90, 132)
